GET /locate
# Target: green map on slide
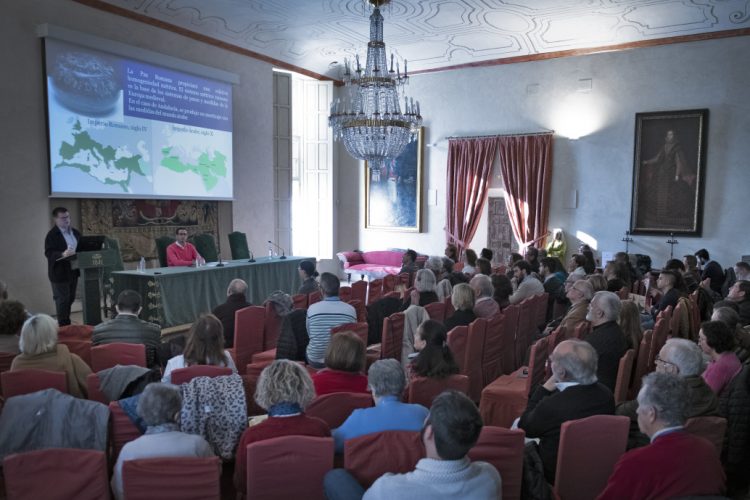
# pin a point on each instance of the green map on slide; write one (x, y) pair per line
(210, 169)
(98, 160)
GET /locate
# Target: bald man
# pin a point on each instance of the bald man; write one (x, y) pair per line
(236, 300)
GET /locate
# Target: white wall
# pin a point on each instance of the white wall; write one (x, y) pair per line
(24, 184)
(493, 100)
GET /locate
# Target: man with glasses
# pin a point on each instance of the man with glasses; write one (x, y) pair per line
(60, 244)
(182, 253)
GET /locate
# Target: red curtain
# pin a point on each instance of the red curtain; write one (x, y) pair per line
(526, 167)
(469, 171)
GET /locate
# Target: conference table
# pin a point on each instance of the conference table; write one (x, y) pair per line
(178, 295)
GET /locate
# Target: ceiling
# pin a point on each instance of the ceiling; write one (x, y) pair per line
(316, 35)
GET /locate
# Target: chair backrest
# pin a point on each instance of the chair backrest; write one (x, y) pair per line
(359, 307)
(370, 456)
(93, 391)
(56, 474)
(80, 332)
(710, 428)
(336, 407)
(393, 336)
(249, 324)
(18, 382)
(288, 467)
(205, 244)
(422, 390)
(271, 327)
(314, 297)
(389, 282)
(494, 347)
(623, 293)
(436, 311)
(503, 448)
(185, 375)
(624, 374)
(162, 242)
(589, 450)
(122, 429)
(79, 347)
(345, 293)
(300, 301)
(374, 291)
(661, 332)
(457, 338)
(238, 245)
(449, 310)
(6, 359)
(581, 330)
(508, 335)
(537, 363)
(118, 353)
(541, 302)
(526, 323)
(359, 291)
(641, 364)
(172, 477)
(359, 329)
(474, 348)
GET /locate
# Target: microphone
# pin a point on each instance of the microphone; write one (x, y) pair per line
(283, 255)
(220, 264)
(252, 257)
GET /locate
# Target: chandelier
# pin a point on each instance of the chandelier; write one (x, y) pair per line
(369, 119)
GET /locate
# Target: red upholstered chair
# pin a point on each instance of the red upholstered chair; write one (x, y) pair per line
(288, 467)
(503, 448)
(449, 310)
(374, 291)
(118, 353)
(457, 339)
(589, 450)
(81, 348)
(271, 327)
(299, 301)
(79, 332)
(264, 357)
(581, 330)
(359, 291)
(314, 297)
(184, 375)
(336, 407)
(496, 344)
(249, 323)
(122, 429)
(389, 282)
(641, 364)
(359, 307)
(541, 302)
(710, 428)
(391, 340)
(526, 327)
(345, 293)
(624, 374)
(93, 390)
(474, 349)
(508, 338)
(370, 456)
(56, 474)
(184, 478)
(436, 311)
(359, 329)
(661, 333)
(18, 382)
(422, 390)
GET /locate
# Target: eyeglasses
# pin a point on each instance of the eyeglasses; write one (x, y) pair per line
(660, 360)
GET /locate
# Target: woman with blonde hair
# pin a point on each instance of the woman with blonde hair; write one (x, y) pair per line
(462, 299)
(630, 323)
(40, 351)
(205, 346)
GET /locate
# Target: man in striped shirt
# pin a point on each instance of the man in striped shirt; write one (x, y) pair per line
(324, 315)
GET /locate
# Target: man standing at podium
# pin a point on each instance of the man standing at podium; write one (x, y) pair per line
(182, 253)
(60, 243)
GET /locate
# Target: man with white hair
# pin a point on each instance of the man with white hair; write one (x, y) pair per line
(606, 337)
(236, 300)
(571, 393)
(443, 286)
(676, 463)
(484, 305)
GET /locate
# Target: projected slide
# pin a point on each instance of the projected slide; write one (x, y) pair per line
(125, 128)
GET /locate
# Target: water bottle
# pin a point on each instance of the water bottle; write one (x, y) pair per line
(270, 250)
(142, 265)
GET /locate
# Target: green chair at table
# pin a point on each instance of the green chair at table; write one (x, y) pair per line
(238, 245)
(162, 242)
(206, 246)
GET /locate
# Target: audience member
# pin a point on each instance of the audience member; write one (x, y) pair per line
(575, 265)
(484, 305)
(711, 271)
(60, 244)
(532, 257)
(126, 327)
(606, 337)
(484, 266)
(590, 262)
(450, 431)
(451, 251)
(740, 295)
(434, 358)
(159, 407)
(462, 299)
(307, 274)
(204, 346)
(443, 285)
(676, 463)
(557, 247)
(617, 275)
(324, 315)
(284, 390)
(571, 393)
(665, 285)
(236, 300)
(729, 317)
(512, 259)
(553, 285)
(598, 282)
(181, 252)
(502, 290)
(470, 261)
(717, 341)
(40, 351)
(424, 290)
(12, 316)
(692, 275)
(742, 271)
(630, 324)
(524, 284)
(409, 262)
(486, 253)
(345, 361)
(580, 294)
(387, 382)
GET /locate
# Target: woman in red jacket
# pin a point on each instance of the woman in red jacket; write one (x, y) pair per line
(345, 361)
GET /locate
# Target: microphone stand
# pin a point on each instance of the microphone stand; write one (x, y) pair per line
(220, 264)
(283, 254)
(252, 257)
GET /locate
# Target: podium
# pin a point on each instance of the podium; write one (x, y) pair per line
(92, 266)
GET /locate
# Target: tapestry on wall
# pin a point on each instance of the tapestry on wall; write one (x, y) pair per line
(137, 223)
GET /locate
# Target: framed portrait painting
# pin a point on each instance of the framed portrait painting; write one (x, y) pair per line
(669, 172)
(393, 193)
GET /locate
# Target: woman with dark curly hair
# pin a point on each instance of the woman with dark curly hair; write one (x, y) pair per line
(717, 340)
(435, 359)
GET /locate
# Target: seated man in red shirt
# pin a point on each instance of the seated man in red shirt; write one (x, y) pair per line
(182, 253)
(675, 464)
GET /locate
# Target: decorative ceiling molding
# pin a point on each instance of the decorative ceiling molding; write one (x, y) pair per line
(314, 37)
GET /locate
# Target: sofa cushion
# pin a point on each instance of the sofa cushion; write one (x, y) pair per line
(374, 271)
(349, 259)
(384, 258)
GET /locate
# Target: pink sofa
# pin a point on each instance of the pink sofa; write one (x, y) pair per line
(374, 264)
